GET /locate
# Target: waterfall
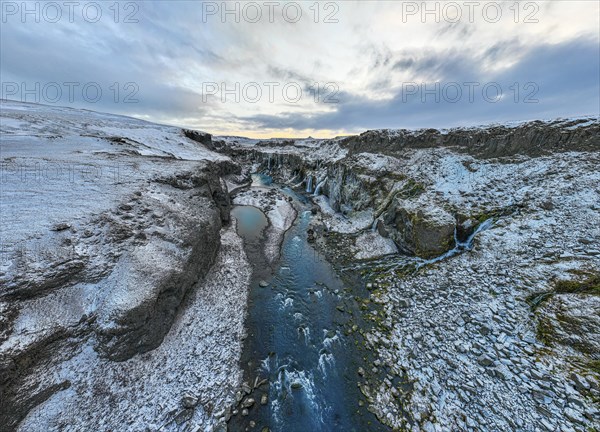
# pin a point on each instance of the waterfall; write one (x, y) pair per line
(319, 186)
(309, 184)
(374, 226)
(460, 246)
(269, 161)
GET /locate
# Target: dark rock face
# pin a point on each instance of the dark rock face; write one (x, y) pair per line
(531, 139)
(420, 231)
(143, 257)
(200, 137)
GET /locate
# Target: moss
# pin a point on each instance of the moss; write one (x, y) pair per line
(594, 366)
(545, 331)
(590, 285)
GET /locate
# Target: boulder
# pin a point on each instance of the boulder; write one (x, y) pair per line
(421, 229)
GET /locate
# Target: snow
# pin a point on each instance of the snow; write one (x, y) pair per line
(200, 354)
(93, 175)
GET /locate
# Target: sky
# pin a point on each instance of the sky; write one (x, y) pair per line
(306, 68)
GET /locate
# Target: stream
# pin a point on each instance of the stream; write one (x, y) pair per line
(296, 337)
(302, 343)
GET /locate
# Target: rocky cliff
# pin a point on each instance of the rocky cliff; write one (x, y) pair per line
(108, 225)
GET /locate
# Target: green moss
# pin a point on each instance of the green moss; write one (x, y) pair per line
(590, 285)
(545, 331)
(594, 366)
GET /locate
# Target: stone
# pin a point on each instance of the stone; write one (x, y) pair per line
(580, 382)
(264, 399)
(485, 360)
(574, 416)
(403, 303)
(247, 403)
(263, 284)
(484, 330)
(188, 400)
(61, 227)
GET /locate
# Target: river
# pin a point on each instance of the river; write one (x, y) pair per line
(297, 339)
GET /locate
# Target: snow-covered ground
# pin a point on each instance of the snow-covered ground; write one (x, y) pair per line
(109, 229)
(457, 345)
(123, 287)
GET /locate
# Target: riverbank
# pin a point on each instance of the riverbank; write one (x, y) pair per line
(457, 342)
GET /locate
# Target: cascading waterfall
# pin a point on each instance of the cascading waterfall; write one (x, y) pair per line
(269, 162)
(374, 225)
(400, 261)
(461, 246)
(309, 180)
(320, 186)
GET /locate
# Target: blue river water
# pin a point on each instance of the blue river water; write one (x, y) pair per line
(296, 338)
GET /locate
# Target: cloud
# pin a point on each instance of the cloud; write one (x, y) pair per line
(369, 56)
(562, 78)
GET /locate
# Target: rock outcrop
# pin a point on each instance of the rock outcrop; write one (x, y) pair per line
(101, 245)
(419, 229)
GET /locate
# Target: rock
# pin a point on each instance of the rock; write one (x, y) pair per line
(485, 360)
(184, 416)
(484, 330)
(247, 403)
(263, 284)
(429, 427)
(403, 303)
(188, 400)
(574, 416)
(570, 320)
(61, 227)
(361, 371)
(245, 412)
(310, 235)
(580, 382)
(314, 210)
(296, 385)
(264, 399)
(422, 229)
(200, 137)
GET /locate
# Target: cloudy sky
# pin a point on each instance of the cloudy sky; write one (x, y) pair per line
(306, 68)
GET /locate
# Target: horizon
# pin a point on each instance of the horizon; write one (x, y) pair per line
(507, 123)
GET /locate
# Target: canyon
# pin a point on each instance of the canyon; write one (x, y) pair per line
(157, 278)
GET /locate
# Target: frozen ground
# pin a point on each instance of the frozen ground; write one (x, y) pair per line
(110, 227)
(458, 344)
(123, 284)
(198, 359)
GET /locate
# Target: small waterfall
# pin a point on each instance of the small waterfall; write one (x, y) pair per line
(309, 184)
(320, 186)
(460, 246)
(374, 226)
(269, 162)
